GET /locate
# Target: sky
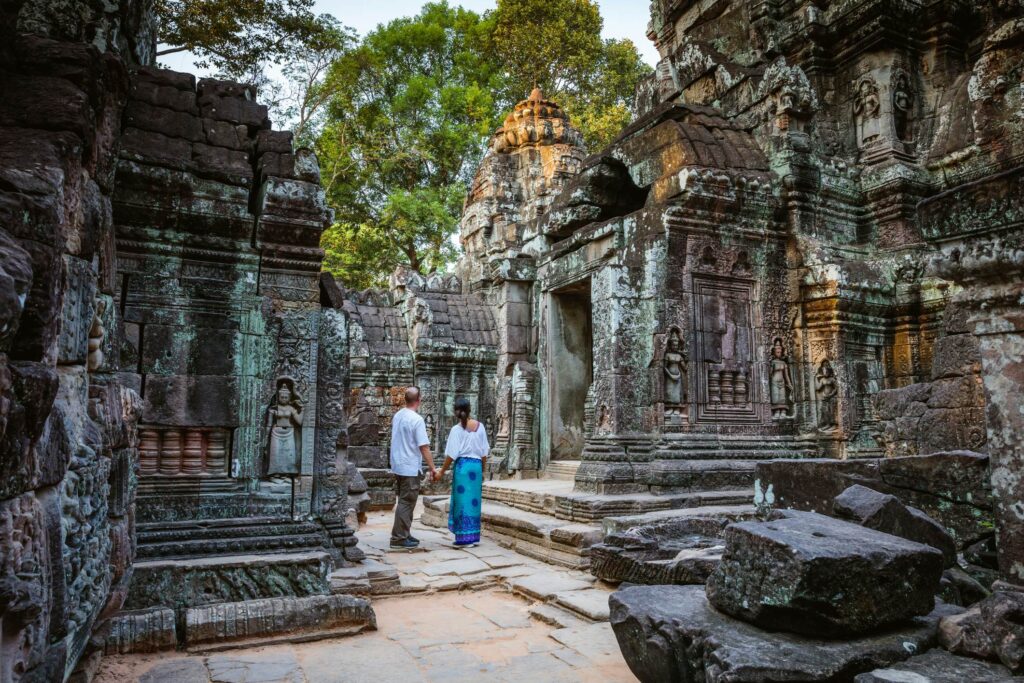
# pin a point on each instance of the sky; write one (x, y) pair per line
(622, 19)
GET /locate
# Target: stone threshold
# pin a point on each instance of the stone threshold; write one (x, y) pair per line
(539, 536)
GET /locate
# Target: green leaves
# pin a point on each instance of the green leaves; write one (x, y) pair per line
(406, 127)
(238, 38)
(557, 45)
(412, 108)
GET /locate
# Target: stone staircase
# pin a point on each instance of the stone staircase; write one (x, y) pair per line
(562, 470)
(557, 498)
(167, 540)
(547, 520)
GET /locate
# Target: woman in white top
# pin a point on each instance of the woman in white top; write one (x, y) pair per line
(467, 448)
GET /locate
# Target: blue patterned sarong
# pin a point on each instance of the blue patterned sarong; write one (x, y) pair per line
(464, 506)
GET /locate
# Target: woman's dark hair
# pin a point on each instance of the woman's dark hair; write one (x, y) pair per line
(462, 408)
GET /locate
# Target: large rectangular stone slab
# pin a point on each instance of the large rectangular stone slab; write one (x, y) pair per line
(545, 585)
(812, 574)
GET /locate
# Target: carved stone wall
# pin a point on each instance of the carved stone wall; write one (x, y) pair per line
(773, 207)
(424, 332)
(68, 447)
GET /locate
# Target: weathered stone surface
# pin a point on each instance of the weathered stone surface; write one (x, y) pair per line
(149, 630)
(939, 666)
(885, 513)
(683, 551)
(277, 619)
(819, 576)
(672, 633)
(992, 629)
(952, 488)
(959, 587)
(187, 583)
(191, 670)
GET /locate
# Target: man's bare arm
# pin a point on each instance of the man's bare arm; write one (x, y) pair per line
(428, 458)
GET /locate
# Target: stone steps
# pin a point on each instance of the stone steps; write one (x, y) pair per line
(227, 537)
(183, 583)
(562, 470)
(556, 498)
(535, 535)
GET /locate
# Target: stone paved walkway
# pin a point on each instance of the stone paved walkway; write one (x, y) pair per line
(443, 614)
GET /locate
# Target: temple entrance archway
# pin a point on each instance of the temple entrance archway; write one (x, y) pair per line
(570, 369)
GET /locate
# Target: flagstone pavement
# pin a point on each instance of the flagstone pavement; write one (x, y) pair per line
(443, 614)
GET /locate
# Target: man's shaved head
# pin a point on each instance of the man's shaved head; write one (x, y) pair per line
(412, 396)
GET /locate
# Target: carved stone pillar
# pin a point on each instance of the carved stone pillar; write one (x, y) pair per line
(330, 457)
(986, 257)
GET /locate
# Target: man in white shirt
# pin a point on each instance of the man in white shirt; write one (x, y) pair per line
(410, 447)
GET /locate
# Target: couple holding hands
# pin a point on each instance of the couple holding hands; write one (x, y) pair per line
(465, 453)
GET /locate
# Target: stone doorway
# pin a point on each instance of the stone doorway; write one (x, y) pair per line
(570, 369)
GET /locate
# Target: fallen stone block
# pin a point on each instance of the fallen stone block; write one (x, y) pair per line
(992, 629)
(812, 574)
(939, 666)
(953, 488)
(274, 620)
(145, 630)
(672, 633)
(672, 551)
(884, 512)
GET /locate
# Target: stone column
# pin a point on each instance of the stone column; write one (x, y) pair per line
(330, 457)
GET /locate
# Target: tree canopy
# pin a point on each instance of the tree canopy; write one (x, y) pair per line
(411, 109)
(557, 45)
(238, 38)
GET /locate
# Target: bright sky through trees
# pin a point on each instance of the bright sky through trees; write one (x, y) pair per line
(622, 19)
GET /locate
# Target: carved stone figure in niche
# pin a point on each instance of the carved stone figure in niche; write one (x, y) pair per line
(604, 420)
(430, 424)
(780, 383)
(828, 395)
(284, 420)
(867, 108)
(902, 103)
(675, 365)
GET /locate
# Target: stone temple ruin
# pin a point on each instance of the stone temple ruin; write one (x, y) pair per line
(797, 274)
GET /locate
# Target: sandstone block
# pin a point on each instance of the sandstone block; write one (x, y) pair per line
(885, 513)
(46, 102)
(219, 163)
(40, 324)
(213, 87)
(671, 634)
(15, 280)
(165, 78)
(956, 355)
(939, 666)
(147, 630)
(951, 487)
(222, 134)
(287, 618)
(164, 121)
(165, 97)
(992, 629)
(199, 400)
(233, 110)
(274, 141)
(820, 576)
(157, 149)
